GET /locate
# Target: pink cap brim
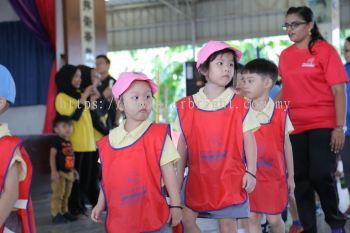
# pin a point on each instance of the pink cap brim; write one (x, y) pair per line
(127, 78)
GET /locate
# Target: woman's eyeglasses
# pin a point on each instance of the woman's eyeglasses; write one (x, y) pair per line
(292, 25)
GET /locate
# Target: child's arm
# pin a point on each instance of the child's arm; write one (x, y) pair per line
(96, 214)
(289, 163)
(172, 187)
(10, 195)
(249, 179)
(181, 164)
(54, 173)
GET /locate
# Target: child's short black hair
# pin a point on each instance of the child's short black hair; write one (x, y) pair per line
(104, 57)
(61, 119)
(348, 39)
(205, 65)
(263, 67)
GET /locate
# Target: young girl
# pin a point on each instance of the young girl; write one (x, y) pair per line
(215, 124)
(135, 157)
(16, 212)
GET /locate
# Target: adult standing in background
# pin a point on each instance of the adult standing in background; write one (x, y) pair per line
(105, 88)
(314, 81)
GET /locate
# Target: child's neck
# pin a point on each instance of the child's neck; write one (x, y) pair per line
(63, 137)
(259, 103)
(212, 91)
(130, 125)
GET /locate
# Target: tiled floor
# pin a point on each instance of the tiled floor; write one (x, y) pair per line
(43, 221)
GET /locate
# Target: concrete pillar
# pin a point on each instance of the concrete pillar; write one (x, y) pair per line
(328, 19)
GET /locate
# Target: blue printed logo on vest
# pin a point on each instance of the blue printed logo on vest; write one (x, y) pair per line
(213, 156)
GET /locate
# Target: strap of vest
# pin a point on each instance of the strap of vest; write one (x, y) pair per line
(21, 204)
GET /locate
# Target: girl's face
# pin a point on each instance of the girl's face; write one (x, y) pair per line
(76, 80)
(347, 51)
(221, 70)
(297, 28)
(136, 102)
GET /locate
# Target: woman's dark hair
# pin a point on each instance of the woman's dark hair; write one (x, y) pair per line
(205, 65)
(85, 76)
(64, 79)
(306, 14)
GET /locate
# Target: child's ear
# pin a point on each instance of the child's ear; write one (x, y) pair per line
(120, 104)
(268, 83)
(3, 104)
(203, 72)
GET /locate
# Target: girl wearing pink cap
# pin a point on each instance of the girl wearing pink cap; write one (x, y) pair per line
(135, 157)
(216, 143)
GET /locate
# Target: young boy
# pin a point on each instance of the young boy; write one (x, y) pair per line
(275, 162)
(16, 213)
(62, 170)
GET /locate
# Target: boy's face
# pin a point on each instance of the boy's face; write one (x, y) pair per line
(4, 105)
(64, 129)
(255, 86)
(347, 51)
(221, 70)
(137, 101)
(102, 66)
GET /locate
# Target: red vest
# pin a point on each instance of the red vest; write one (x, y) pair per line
(215, 154)
(131, 183)
(270, 195)
(8, 145)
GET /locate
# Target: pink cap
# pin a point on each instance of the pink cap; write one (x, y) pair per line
(212, 47)
(125, 80)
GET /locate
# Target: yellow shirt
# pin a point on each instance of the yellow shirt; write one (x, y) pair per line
(17, 157)
(119, 137)
(82, 138)
(265, 115)
(202, 102)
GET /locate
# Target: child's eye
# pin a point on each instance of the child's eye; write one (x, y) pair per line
(220, 63)
(148, 96)
(232, 65)
(135, 97)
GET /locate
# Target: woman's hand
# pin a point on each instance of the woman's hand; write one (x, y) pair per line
(88, 91)
(337, 140)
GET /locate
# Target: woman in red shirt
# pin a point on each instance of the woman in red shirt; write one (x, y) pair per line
(314, 80)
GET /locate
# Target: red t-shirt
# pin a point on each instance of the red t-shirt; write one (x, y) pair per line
(307, 80)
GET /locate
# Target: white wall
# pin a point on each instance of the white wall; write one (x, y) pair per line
(27, 120)
(6, 12)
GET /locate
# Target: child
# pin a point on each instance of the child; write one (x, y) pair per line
(135, 156)
(62, 170)
(270, 196)
(16, 212)
(215, 124)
